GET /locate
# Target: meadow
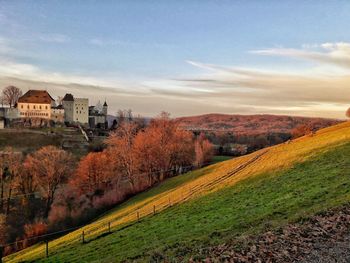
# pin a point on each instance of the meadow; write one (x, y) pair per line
(183, 215)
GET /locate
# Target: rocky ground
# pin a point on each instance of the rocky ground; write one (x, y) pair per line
(323, 238)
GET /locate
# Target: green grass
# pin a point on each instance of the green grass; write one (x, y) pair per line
(220, 158)
(249, 206)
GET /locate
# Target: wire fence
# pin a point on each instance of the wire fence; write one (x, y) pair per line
(107, 227)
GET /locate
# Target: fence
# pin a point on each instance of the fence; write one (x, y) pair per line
(110, 226)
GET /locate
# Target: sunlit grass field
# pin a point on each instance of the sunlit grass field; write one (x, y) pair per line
(205, 207)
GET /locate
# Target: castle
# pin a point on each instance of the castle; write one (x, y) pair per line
(37, 107)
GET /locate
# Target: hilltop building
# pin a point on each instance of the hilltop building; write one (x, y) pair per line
(98, 116)
(57, 114)
(35, 104)
(76, 110)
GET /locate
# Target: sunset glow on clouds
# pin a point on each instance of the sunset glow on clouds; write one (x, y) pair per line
(308, 78)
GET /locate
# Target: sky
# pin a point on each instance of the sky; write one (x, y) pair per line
(185, 57)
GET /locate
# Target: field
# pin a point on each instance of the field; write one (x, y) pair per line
(226, 200)
(29, 140)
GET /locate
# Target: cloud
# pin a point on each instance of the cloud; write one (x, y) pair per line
(337, 54)
(112, 42)
(55, 38)
(215, 88)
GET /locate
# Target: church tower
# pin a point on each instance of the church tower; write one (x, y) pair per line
(105, 109)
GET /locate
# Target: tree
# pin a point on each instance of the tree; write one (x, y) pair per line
(50, 167)
(121, 153)
(301, 130)
(11, 94)
(3, 229)
(203, 149)
(162, 148)
(10, 168)
(93, 173)
(348, 113)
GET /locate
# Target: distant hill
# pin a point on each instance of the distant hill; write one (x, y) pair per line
(251, 124)
(185, 216)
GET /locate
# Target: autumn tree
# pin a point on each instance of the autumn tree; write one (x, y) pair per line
(162, 148)
(301, 130)
(121, 153)
(93, 173)
(203, 150)
(11, 94)
(50, 166)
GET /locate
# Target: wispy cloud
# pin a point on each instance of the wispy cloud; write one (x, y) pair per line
(216, 88)
(303, 92)
(55, 38)
(337, 54)
(113, 42)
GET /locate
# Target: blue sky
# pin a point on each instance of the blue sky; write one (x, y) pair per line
(167, 51)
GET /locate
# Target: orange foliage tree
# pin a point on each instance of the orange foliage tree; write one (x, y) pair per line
(162, 147)
(93, 173)
(51, 167)
(121, 152)
(203, 149)
(301, 130)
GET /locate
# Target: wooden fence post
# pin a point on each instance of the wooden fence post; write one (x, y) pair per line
(138, 216)
(83, 237)
(169, 201)
(154, 209)
(109, 227)
(47, 248)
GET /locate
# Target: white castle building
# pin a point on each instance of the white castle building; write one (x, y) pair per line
(76, 110)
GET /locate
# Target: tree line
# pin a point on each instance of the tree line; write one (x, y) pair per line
(49, 190)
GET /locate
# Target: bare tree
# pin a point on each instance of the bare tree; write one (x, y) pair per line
(11, 94)
(2, 100)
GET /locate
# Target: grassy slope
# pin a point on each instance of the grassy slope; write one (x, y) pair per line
(287, 182)
(29, 140)
(26, 140)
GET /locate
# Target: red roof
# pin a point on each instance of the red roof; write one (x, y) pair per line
(36, 96)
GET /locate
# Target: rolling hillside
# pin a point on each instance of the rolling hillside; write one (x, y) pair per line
(183, 216)
(251, 124)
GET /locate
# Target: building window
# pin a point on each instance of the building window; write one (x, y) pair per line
(21, 106)
(28, 106)
(46, 107)
(40, 107)
(34, 107)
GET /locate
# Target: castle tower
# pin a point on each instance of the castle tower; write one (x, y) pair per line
(105, 109)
